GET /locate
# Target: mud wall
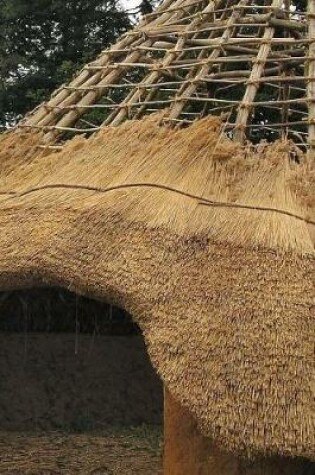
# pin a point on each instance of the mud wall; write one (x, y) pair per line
(60, 381)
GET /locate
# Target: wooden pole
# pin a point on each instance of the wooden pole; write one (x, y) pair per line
(187, 452)
(311, 80)
(253, 84)
(197, 57)
(118, 116)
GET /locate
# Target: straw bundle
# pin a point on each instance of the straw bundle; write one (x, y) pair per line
(17, 148)
(208, 244)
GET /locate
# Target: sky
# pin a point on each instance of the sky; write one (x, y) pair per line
(130, 3)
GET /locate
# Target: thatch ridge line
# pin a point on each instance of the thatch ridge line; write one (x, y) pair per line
(200, 199)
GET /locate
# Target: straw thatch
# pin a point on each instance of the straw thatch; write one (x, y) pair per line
(208, 244)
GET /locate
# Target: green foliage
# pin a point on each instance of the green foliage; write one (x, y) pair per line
(43, 42)
(146, 6)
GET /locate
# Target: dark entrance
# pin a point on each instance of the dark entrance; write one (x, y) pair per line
(68, 362)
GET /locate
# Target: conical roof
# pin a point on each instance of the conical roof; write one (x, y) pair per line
(250, 60)
(207, 241)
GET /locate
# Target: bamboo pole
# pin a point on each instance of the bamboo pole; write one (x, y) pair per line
(117, 117)
(69, 119)
(89, 78)
(207, 57)
(188, 90)
(252, 88)
(311, 80)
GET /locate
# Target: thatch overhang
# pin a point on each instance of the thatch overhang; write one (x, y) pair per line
(210, 246)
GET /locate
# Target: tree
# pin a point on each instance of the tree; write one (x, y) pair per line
(43, 42)
(146, 6)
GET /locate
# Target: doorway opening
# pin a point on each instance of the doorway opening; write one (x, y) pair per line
(75, 373)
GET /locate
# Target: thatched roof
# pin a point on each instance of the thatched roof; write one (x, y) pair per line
(209, 245)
